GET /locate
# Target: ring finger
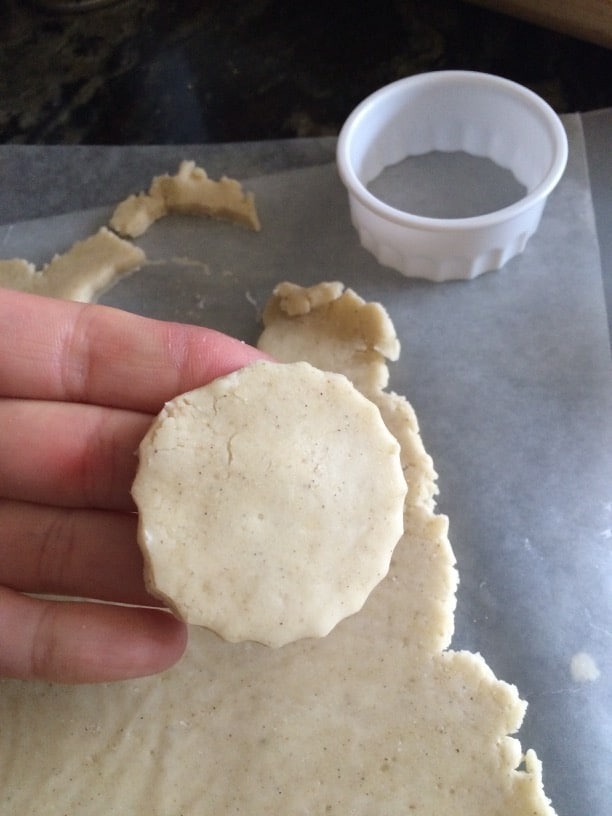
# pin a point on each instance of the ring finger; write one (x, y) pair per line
(74, 552)
(69, 454)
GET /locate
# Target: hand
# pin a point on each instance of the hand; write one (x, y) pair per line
(79, 387)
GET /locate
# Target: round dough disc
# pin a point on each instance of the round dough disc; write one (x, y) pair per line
(270, 502)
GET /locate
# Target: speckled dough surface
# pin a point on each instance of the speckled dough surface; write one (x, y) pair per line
(270, 502)
(379, 717)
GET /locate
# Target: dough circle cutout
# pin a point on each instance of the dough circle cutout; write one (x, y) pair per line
(270, 502)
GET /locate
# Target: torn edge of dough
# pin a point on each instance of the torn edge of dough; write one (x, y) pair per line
(81, 273)
(189, 192)
(349, 313)
(310, 308)
(333, 328)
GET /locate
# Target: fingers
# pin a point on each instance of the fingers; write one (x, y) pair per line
(57, 350)
(67, 454)
(80, 642)
(55, 551)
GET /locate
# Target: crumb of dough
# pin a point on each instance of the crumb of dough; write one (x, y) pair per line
(583, 668)
(290, 299)
(270, 502)
(377, 717)
(189, 192)
(82, 273)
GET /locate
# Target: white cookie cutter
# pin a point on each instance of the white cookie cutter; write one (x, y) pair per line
(480, 114)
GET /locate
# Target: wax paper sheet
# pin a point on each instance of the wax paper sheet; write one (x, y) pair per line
(511, 378)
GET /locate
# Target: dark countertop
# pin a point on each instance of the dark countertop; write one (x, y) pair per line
(149, 72)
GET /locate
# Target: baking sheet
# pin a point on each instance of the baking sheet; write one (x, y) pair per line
(511, 378)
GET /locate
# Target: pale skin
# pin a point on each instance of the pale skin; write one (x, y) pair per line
(79, 386)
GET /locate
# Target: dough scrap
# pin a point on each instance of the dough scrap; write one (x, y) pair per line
(270, 502)
(92, 265)
(82, 273)
(379, 717)
(189, 192)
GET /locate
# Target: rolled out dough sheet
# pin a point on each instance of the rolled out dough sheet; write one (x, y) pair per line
(376, 717)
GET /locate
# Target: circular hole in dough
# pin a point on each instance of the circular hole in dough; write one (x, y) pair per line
(270, 502)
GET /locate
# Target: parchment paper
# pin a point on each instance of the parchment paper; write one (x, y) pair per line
(511, 378)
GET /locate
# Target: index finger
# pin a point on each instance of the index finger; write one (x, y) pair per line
(60, 350)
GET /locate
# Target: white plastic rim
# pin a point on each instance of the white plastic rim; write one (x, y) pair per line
(478, 113)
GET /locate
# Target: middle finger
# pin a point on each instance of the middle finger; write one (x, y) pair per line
(72, 552)
(69, 454)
